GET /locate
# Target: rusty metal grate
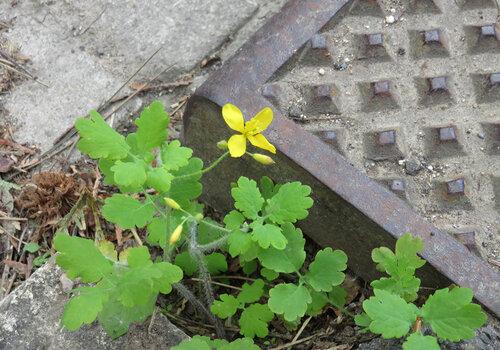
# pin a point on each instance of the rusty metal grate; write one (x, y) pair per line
(385, 110)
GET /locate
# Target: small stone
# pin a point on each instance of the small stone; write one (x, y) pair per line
(66, 283)
(321, 71)
(481, 135)
(393, 10)
(430, 168)
(340, 66)
(390, 19)
(412, 167)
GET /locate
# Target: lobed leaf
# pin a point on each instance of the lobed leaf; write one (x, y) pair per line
(174, 156)
(152, 127)
(98, 139)
(326, 270)
(159, 179)
(254, 320)
(391, 315)
(289, 300)
(251, 293)
(287, 260)
(225, 307)
(247, 197)
(129, 176)
(127, 212)
(452, 315)
(83, 308)
(268, 235)
(290, 203)
(418, 341)
(80, 257)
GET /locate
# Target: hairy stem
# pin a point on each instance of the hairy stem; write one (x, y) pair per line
(210, 247)
(198, 305)
(197, 255)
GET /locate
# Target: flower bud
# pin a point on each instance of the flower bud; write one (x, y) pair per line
(171, 203)
(174, 237)
(222, 144)
(263, 159)
(198, 217)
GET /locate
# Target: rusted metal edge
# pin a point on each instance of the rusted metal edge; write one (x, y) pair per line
(240, 80)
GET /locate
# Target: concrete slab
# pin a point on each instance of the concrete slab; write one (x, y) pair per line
(30, 320)
(85, 50)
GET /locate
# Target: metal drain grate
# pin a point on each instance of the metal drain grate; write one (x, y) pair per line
(414, 104)
(408, 92)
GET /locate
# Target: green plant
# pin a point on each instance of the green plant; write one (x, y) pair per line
(159, 183)
(448, 312)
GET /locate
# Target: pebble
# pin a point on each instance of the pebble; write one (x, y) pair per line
(430, 167)
(412, 167)
(321, 71)
(390, 19)
(481, 135)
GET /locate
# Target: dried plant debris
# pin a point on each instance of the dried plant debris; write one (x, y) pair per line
(49, 196)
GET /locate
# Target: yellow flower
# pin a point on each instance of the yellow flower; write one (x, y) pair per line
(250, 130)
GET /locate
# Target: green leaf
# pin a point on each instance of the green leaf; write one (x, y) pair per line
(127, 212)
(337, 297)
(405, 259)
(186, 263)
(83, 308)
(129, 176)
(266, 187)
(234, 220)
(267, 235)
(363, 320)
(159, 179)
(289, 300)
(116, 318)
(31, 247)
(239, 243)
(269, 274)
(326, 270)
(391, 315)
(152, 126)
(174, 156)
(195, 343)
(240, 344)
(452, 315)
(418, 341)
(405, 286)
(216, 263)
(249, 267)
(319, 300)
(251, 293)
(254, 320)
(105, 168)
(225, 307)
(160, 228)
(401, 266)
(186, 185)
(289, 259)
(247, 197)
(79, 257)
(98, 139)
(290, 204)
(108, 250)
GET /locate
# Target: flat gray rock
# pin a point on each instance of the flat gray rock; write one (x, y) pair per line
(30, 320)
(85, 50)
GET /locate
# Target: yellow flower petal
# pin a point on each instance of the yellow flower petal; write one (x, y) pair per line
(233, 117)
(237, 145)
(260, 122)
(260, 141)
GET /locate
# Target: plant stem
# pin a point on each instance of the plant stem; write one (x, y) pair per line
(197, 255)
(205, 248)
(207, 169)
